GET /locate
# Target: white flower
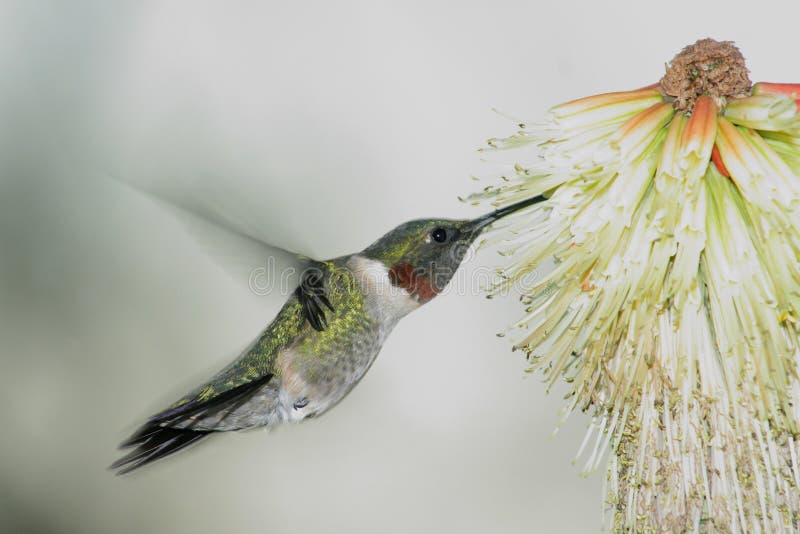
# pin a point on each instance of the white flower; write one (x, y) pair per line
(672, 308)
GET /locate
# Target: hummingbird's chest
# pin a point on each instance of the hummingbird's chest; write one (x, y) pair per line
(323, 367)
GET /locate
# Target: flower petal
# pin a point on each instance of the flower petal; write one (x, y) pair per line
(638, 133)
(600, 109)
(792, 90)
(769, 112)
(698, 138)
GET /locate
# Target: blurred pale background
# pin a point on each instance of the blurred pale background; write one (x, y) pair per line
(317, 126)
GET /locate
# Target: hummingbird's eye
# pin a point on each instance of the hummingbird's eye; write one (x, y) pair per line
(439, 235)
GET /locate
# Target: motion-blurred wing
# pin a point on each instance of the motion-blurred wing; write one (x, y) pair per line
(232, 242)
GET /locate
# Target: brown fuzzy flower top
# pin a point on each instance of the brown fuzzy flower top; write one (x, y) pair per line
(707, 67)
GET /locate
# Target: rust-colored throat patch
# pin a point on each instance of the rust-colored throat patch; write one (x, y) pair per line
(403, 275)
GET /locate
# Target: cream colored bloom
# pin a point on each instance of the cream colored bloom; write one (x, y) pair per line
(673, 304)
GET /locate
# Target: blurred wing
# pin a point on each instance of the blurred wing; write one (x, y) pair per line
(232, 243)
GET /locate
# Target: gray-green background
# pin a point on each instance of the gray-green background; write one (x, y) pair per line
(317, 126)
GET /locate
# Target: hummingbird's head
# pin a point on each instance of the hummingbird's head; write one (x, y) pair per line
(423, 255)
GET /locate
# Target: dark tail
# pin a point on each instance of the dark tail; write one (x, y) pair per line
(173, 429)
(154, 442)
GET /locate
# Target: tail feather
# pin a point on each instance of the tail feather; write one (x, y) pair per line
(154, 442)
(168, 432)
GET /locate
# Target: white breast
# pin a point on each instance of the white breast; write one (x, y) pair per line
(382, 297)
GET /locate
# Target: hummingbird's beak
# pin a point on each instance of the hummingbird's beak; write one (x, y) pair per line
(479, 224)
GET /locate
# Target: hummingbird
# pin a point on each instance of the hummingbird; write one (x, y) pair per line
(322, 341)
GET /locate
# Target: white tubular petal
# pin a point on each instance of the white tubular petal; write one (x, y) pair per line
(763, 112)
(599, 109)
